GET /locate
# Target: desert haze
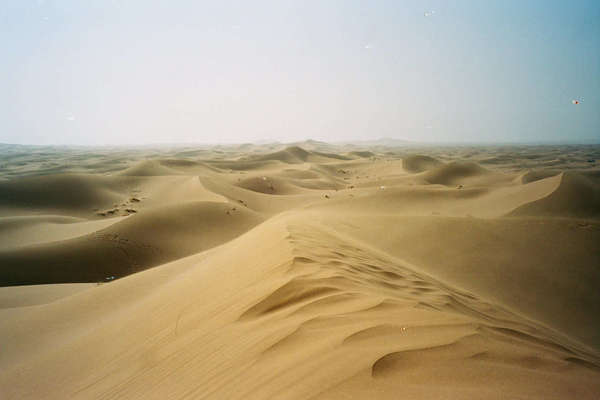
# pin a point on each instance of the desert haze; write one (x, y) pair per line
(300, 271)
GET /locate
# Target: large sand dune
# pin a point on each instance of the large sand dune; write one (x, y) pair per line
(303, 271)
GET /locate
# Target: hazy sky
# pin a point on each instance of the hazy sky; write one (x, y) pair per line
(128, 71)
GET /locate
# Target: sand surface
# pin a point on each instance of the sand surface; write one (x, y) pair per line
(303, 271)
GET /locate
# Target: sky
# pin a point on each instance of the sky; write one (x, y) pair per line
(174, 71)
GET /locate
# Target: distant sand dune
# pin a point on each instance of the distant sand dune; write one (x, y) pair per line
(268, 185)
(576, 196)
(149, 168)
(296, 155)
(454, 173)
(419, 163)
(532, 176)
(362, 154)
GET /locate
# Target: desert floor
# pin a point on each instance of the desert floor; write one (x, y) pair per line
(302, 271)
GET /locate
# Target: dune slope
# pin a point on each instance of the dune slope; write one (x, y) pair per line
(305, 298)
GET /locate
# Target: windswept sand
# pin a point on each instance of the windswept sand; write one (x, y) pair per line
(305, 271)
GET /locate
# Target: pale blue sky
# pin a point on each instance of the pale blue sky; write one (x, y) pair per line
(143, 71)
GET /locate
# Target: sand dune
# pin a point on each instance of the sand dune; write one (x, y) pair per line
(167, 167)
(35, 229)
(362, 154)
(290, 155)
(64, 194)
(268, 185)
(141, 241)
(576, 196)
(297, 155)
(149, 168)
(454, 173)
(419, 163)
(532, 176)
(303, 272)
